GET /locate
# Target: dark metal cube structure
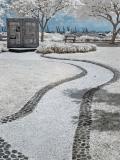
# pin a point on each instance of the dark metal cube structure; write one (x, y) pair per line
(22, 33)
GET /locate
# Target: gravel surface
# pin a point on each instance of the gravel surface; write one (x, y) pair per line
(56, 117)
(51, 127)
(24, 74)
(105, 134)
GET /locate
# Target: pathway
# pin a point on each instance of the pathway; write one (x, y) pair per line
(48, 132)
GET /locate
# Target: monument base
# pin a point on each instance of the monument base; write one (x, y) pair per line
(22, 49)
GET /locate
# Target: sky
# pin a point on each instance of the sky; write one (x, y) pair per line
(68, 21)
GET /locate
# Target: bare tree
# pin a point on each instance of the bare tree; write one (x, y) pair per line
(43, 10)
(106, 9)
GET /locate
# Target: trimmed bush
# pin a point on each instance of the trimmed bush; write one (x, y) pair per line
(60, 48)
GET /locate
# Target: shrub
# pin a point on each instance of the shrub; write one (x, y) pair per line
(55, 47)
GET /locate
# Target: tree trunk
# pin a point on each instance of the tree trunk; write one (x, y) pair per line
(42, 36)
(114, 34)
(113, 37)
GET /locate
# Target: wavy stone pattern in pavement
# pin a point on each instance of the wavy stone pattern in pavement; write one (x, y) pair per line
(81, 142)
(82, 136)
(31, 104)
(6, 153)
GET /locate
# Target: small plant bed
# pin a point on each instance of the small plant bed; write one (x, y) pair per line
(61, 48)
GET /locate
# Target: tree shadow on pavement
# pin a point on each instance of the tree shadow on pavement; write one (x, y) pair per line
(102, 96)
(102, 120)
(106, 121)
(75, 94)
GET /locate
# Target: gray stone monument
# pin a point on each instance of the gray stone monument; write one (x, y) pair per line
(22, 33)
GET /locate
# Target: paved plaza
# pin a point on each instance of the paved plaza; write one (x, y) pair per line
(60, 107)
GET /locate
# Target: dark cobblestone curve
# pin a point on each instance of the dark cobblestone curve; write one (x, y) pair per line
(81, 146)
(31, 104)
(82, 135)
(6, 153)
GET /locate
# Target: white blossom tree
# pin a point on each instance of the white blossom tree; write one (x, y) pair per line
(3, 9)
(43, 10)
(106, 9)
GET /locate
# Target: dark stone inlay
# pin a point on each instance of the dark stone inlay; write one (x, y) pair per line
(31, 104)
(6, 153)
(81, 144)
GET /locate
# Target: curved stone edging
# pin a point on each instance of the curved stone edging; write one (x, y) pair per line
(31, 104)
(81, 144)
